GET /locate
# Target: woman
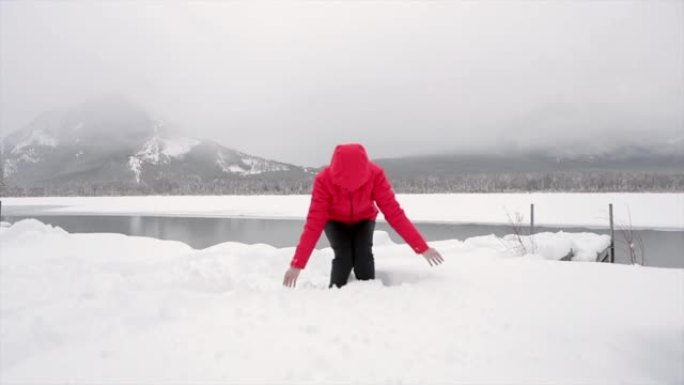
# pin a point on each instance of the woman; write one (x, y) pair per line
(343, 202)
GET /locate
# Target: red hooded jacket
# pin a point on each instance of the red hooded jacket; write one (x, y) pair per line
(348, 191)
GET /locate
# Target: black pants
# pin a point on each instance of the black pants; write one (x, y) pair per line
(353, 246)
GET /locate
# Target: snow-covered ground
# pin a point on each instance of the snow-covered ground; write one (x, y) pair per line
(637, 210)
(110, 308)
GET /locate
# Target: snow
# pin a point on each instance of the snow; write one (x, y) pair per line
(235, 169)
(246, 165)
(28, 156)
(178, 147)
(222, 163)
(110, 308)
(135, 165)
(258, 166)
(10, 167)
(37, 138)
(546, 245)
(150, 151)
(25, 150)
(663, 211)
(163, 146)
(160, 150)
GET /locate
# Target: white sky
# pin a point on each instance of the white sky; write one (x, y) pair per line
(289, 80)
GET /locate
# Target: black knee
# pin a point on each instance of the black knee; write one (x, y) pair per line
(339, 236)
(364, 263)
(341, 268)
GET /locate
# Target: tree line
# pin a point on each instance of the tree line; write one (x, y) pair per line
(557, 181)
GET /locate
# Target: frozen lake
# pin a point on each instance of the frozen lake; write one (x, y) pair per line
(662, 248)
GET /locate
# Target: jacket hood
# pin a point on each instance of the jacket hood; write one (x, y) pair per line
(350, 167)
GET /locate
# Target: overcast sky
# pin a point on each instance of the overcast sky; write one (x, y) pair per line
(290, 80)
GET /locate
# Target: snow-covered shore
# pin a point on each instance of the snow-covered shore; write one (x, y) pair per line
(637, 210)
(110, 308)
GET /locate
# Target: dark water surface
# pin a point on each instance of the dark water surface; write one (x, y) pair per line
(662, 248)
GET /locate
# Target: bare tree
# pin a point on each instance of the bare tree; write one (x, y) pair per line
(633, 242)
(518, 244)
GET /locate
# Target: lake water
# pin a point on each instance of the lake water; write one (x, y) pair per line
(662, 248)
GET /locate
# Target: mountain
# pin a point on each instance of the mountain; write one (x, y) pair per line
(112, 145)
(623, 159)
(626, 168)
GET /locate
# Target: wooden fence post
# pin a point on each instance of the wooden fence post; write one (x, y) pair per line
(531, 218)
(612, 234)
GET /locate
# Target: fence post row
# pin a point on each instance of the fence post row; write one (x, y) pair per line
(612, 229)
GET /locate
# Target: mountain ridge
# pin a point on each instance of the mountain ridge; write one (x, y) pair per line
(112, 141)
(113, 146)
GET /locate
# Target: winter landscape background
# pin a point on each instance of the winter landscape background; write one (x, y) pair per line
(156, 161)
(243, 99)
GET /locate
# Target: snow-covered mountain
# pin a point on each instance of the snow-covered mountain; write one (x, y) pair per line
(112, 146)
(162, 152)
(113, 142)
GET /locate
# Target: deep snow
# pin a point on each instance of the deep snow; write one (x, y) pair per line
(109, 308)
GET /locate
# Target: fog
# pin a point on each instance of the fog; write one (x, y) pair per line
(289, 80)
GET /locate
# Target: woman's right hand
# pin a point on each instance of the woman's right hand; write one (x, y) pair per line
(433, 257)
(290, 279)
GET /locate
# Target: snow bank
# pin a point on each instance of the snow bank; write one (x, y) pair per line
(109, 308)
(546, 245)
(638, 210)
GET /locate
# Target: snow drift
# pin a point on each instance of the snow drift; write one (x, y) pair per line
(109, 308)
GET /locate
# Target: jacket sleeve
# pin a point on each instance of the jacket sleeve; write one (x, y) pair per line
(394, 214)
(315, 223)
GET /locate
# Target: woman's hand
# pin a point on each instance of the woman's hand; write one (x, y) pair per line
(291, 275)
(433, 257)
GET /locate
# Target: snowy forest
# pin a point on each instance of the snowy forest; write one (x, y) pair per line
(565, 181)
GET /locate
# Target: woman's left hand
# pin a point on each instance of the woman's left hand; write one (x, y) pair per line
(433, 257)
(290, 279)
